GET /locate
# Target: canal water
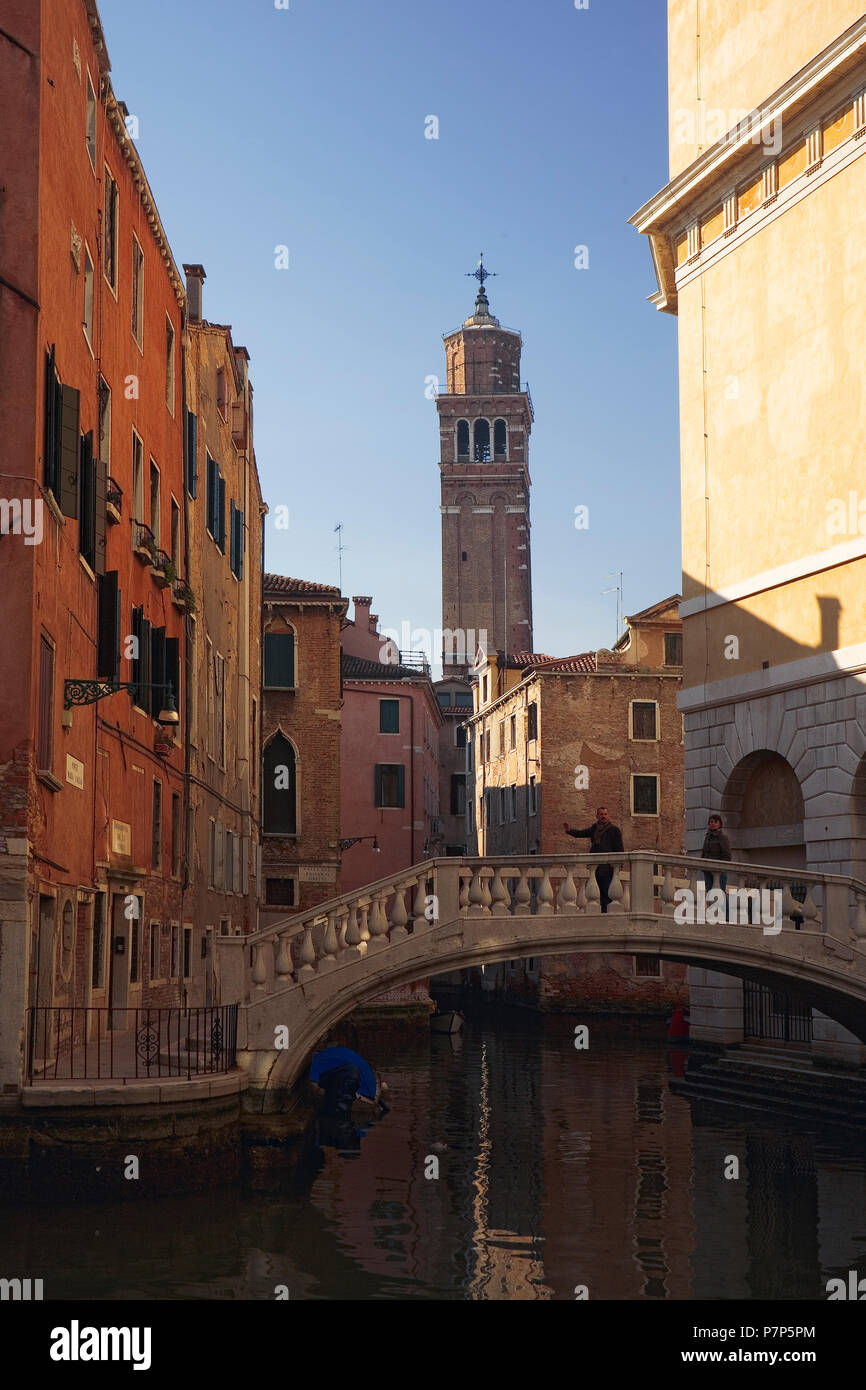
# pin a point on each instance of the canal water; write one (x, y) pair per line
(511, 1166)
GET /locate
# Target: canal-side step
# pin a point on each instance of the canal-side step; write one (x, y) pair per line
(786, 1056)
(801, 1092)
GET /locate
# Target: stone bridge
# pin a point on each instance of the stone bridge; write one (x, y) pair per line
(298, 976)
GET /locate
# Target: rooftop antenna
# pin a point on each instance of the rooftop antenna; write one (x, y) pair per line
(340, 548)
(616, 589)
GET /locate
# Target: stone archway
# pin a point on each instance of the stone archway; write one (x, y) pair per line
(858, 821)
(763, 808)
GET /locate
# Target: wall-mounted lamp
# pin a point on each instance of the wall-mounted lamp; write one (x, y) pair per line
(356, 839)
(88, 692)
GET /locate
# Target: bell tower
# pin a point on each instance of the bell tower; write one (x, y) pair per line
(485, 416)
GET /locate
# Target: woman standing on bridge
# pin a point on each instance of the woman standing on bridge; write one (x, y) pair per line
(716, 846)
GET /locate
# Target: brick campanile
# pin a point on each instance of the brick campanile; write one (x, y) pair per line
(485, 416)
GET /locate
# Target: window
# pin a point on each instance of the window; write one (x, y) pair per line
(155, 697)
(222, 393)
(487, 745)
(444, 698)
(389, 716)
(109, 244)
(280, 892)
(280, 660)
(169, 364)
(389, 784)
(236, 541)
(458, 793)
(141, 659)
(211, 854)
(279, 791)
(463, 699)
(216, 504)
(485, 689)
(108, 627)
(482, 441)
(175, 932)
(503, 805)
(500, 439)
(154, 951)
(219, 856)
(532, 722)
(502, 738)
(137, 478)
(97, 962)
(513, 803)
(88, 298)
(191, 453)
(254, 741)
(133, 941)
(644, 719)
(187, 951)
(156, 827)
(533, 796)
(137, 291)
(45, 741)
(647, 966)
(87, 508)
(154, 502)
(463, 441)
(175, 535)
(105, 423)
(673, 649)
(512, 731)
(470, 817)
(460, 736)
(220, 707)
(175, 834)
(644, 795)
(90, 127)
(228, 876)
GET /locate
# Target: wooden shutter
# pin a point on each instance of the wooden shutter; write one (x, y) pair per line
(52, 424)
(221, 513)
(69, 446)
(172, 668)
(157, 670)
(108, 628)
(232, 538)
(211, 500)
(239, 543)
(100, 487)
(46, 705)
(144, 666)
(191, 453)
(137, 616)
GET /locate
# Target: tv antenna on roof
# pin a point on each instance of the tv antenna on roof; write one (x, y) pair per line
(616, 589)
(340, 548)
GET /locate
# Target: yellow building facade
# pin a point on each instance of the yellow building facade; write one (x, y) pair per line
(759, 248)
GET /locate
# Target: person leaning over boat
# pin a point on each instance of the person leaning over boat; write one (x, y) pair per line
(604, 837)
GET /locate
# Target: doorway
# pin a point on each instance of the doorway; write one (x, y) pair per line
(118, 984)
(42, 983)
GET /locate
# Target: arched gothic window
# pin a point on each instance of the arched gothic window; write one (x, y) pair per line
(462, 439)
(279, 787)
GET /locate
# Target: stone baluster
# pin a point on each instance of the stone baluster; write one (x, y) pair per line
(283, 963)
(477, 907)
(330, 945)
(809, 908)
(545, 895)
(500, 902)
(378, 924)
(567, 901)
(485, 892)
(860, 919)
(354, 946)
(790, 906)
(260, 969)
(342, 923)
(363, 924)
(522, 895)
(419, 906)
(399, 916)
(581, 895)
(667, 893)
(307, 955)
(465, 880)
(626, 894)
(614, 892)
(593, 896)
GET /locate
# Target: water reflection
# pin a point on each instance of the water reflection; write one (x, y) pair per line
(556, 1168)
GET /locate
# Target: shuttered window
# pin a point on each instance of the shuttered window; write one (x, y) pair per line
(108, 628)
(172, 669)
(389, 788)
(220, 533)
(280, 660)
(236, 541)
(46, 705)
(389, 716)
(51, 450)
(69, 451)
(156, 695)
(191, 454)
(644, 719)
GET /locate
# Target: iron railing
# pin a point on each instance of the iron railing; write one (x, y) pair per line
(771, 1014)
(90, 1044)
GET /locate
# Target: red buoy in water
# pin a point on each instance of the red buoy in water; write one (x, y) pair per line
(678, 1028)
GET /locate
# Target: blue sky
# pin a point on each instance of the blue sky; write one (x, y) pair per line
(305, 128)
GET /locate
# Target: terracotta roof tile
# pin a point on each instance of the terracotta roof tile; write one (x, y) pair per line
(282, 584)
(359, 669)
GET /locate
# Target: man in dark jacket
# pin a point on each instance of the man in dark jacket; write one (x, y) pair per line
(604, 836)
(716, 846)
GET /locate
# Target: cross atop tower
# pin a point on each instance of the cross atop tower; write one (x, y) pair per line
(480, 274)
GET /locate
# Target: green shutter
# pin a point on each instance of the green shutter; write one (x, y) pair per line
(99, 491)
(69, 449)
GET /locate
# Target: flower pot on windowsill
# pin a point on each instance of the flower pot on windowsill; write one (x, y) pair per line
(164, 743)
(182, 596)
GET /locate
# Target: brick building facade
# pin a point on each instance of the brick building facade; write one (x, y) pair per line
(549, 742)
(301, 749)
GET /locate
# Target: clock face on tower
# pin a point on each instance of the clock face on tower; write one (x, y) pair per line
(485, 418)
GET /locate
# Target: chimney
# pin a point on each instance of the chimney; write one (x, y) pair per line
(374, 623)
(195, 277)
(362, 611)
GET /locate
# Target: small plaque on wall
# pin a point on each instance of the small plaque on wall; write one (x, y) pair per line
(121, 837)
(318, 873)
(74, 771)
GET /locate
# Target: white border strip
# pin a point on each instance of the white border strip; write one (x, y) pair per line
(783, 574)
(809, 670)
